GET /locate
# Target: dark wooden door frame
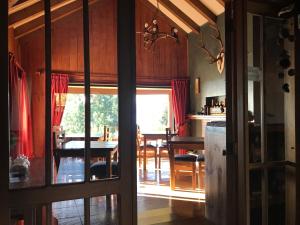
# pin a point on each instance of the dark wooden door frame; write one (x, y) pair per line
(297, 107)
(238, 211)
(236, 112)
(125, 186)
(4, 131)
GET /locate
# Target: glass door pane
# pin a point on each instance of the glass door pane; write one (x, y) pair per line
(271, 118)
(67, 52)
(26, 96)
(67, 110)
(104, 99)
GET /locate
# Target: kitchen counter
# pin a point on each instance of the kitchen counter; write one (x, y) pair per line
(207, 117)
(198, 123)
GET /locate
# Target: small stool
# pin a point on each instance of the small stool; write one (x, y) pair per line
(98, 169)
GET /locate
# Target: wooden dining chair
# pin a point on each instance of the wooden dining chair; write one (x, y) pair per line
(138, 145)
(185, 163)
(58, 138)
(151, 148)
(106, 134)
(163, 150)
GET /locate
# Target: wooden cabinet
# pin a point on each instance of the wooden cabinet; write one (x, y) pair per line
(199, 122)
(215, 174)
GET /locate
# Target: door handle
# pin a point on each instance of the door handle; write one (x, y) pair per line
(224, 152)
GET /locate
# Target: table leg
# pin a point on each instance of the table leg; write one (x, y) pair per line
(172, 172)
(108, 164)
(109, 175)
(145, 153)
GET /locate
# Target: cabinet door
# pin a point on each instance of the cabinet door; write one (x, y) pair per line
(215, 174)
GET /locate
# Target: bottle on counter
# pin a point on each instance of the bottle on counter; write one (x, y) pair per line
(206, 110)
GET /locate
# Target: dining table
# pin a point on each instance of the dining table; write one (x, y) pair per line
(151, 136)
(182, 142)
(76, 148)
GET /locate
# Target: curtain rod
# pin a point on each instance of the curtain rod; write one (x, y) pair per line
(74, 72)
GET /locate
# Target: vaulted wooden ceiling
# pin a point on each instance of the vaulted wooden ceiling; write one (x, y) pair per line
(190, 15)
(26, 16)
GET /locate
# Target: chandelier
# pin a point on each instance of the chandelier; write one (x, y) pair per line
(152, 33)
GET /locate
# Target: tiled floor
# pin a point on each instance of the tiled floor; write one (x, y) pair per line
(157, 204)
(72, 212)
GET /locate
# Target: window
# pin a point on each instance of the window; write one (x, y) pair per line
(104, 112)
(153, 110)
(152, 105)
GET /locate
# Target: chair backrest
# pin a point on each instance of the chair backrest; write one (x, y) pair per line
(58, 138)
(105, 136)
(138, 137)
(169, 134)
(106, 133)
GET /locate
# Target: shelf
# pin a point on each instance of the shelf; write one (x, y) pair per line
(207, 117)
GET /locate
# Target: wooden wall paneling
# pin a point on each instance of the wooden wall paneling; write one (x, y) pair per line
(38, 113)
(168, 59)
(11, 40)
(158, 67)
(32, 60)
(67, 49)
(103, 39)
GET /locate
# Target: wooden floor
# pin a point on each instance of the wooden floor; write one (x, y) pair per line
(157, 204)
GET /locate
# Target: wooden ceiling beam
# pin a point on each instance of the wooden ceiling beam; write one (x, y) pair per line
(56, 15)
(22, 6)
(34, 12)
(222, 2)
(181, 15)
(164, 16)
(203, 10)
(25, 13)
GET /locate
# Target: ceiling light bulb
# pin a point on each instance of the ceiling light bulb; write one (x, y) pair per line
(146, 25)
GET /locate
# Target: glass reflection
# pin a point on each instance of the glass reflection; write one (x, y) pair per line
(104, 106)
(67, 109)
(274, 94)
(255, 84)
(29, 215)
(255, 197)
(27, 100)
(277, 193)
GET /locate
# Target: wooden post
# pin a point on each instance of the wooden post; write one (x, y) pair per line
(127, 112)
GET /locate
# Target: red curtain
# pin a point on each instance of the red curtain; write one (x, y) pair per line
(180, 100)
(20, 115)
(59, 89)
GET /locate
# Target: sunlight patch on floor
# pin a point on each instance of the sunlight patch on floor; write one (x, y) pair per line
(166, 192)
(155, 216)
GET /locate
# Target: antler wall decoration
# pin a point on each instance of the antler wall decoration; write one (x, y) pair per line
(219, 59)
